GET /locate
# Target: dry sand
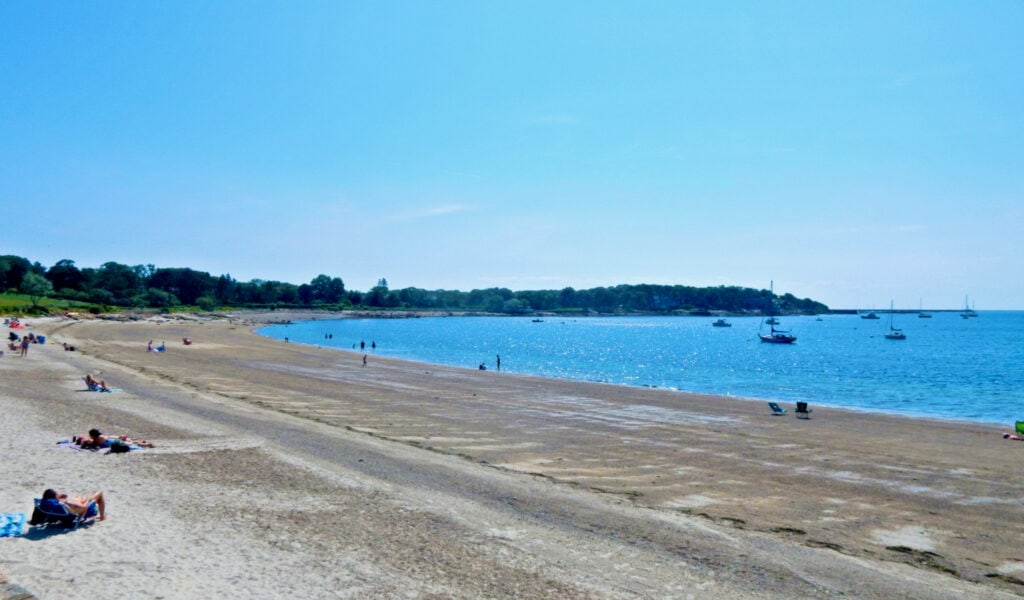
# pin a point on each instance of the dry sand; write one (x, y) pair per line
(291, 470)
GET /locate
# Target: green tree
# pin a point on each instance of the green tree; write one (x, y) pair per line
(516, 306)
(65, 276)
(12, 270)
(327, 290)
(36, 287)
(185, 284)
(120, 280)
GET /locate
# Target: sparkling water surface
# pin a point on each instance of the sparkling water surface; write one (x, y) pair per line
(948, 367)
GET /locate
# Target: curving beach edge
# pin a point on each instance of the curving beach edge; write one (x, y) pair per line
(284, 469)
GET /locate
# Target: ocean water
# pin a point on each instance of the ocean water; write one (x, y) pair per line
(948, 367)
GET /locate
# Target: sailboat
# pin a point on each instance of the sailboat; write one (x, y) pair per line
(894, 334)
(968, 311)
(920, 312)
(777, 336)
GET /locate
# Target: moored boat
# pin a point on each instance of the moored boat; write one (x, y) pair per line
(777, 336)
(968, 311)
(893, 333)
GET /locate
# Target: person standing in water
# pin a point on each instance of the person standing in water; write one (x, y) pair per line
(497, 362)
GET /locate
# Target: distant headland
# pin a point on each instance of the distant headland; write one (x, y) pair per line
(32, 288)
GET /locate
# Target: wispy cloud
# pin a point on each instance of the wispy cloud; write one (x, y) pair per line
(557, 119)
(925, 76)
(873, 229)
(431, 212)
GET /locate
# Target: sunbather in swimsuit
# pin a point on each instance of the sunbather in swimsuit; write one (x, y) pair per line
(93, 505)
(96, 385)
(96, 439)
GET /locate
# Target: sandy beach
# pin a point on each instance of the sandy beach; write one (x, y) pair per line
(291, 470)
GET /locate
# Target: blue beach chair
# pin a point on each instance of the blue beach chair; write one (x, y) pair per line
(49, 512)
(776, 409)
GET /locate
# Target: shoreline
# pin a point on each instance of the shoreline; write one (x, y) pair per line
(1004, 421)
(789, 403)
(710, 496)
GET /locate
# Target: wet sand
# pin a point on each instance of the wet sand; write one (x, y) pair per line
(291, 469)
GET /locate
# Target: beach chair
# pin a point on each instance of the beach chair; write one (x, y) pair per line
(52, 512)
(802, 412)
(1020, 427)
(776, 409)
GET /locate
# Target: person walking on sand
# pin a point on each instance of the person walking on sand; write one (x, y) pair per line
(24, 345)
(364, 360)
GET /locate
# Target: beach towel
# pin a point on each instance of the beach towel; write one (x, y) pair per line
(11, 524)
(73, 446)
(95, 387)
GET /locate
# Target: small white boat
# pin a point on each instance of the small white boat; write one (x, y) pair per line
(894, 334)
(776, 336)
(968, 311)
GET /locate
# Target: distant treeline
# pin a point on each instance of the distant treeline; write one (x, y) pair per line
(146, 286)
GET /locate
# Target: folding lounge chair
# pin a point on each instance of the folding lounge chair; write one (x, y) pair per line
(776, 409)
(802, 412)
(52, 512)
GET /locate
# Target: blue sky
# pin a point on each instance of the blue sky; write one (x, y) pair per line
(854, 153)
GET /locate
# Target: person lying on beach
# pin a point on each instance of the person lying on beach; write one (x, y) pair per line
(96, 439)
(97, 385)
(89, 506)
